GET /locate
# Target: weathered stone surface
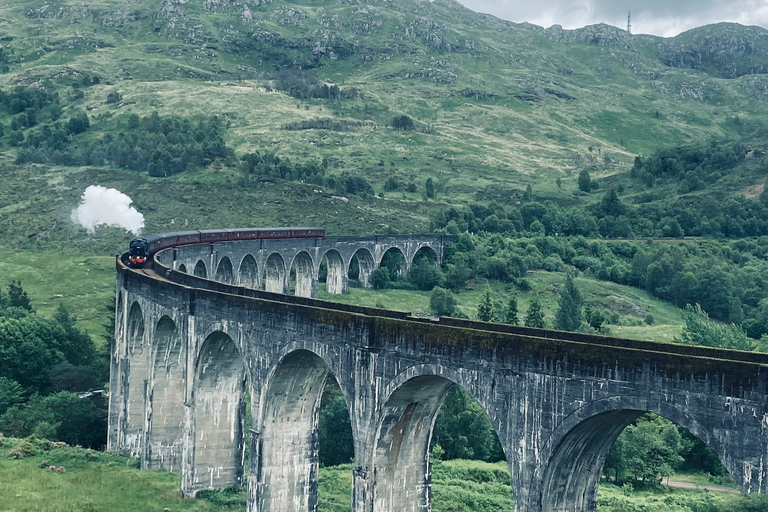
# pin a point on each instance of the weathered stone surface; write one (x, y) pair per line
(187, 348)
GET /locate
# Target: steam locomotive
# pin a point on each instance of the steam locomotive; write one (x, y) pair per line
(143, 248)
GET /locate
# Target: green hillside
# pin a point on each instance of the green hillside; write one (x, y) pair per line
(492, 102)
(547, 150)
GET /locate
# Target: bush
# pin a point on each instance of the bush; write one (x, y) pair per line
(23, 449)
(380, 278)
(442, 302)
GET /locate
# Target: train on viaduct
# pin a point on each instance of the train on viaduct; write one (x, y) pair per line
(203, 328)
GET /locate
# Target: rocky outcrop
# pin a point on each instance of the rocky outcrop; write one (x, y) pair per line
(725, 50)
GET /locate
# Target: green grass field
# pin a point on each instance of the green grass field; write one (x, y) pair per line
(99, 482)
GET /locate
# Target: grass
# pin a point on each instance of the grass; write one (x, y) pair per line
(92, 482)
(101, 482)
(631, 304)
(83, 284)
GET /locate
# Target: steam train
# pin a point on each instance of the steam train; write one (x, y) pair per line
(143, 248)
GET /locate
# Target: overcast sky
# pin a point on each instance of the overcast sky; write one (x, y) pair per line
(659, 17)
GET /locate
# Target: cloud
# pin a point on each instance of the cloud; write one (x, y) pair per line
(659, 17)
(103, 206)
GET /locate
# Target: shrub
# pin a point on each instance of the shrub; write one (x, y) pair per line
(442, 302)
(23, 449)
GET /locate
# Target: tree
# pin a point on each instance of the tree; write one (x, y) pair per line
(535, 315)
(464, 431)
(11, 393)
(648, 451)
(585, 182)
(402, 123)
(425, 275)
(700, 330)
(334, 428)
(485, 310)
(380, 278)
(17, 297)
(442, 302)
(569, 314)
(429, 188)
(511, 314)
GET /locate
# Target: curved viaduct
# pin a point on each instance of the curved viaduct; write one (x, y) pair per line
(190, 351)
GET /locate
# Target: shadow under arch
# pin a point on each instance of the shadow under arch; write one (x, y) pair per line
(303, 269)
(166, 415)
(138, 366)
(224, 272)
(182, 268)
(580, 444)
(425, 251)
(219, 414)
(200, 270)
(249, 272)
(394, 260)
(401, 476)
(363, 260)
(274, 280)
(287, 448)
(335, 280)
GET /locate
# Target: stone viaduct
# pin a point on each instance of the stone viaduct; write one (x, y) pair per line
(190, 351)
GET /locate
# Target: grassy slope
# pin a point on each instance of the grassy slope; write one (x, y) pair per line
(96, 482)
(614, 91)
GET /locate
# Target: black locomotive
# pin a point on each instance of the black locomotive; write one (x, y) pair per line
(143, 248)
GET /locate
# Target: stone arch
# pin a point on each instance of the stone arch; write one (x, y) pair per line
(394, 258)
(200, 270)
(167, 397)
(303, 267)
(336, 278)
(182, 268)
(275, 280)
(425, 251)
(365, 264)
(401, 475)
(288, 448)
(224, 272)
(249, 272)
(579, 445)
(219, 411)
(138, 368)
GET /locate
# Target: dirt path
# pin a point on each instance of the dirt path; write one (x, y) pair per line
(687, 485)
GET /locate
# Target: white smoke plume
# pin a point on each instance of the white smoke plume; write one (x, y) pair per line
(107, 207)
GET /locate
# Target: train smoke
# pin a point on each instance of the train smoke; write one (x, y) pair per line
(107, 207)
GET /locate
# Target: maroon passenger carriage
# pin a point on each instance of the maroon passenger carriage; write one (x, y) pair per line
(143, 248)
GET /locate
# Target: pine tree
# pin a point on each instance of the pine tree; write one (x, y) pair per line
(512, 311)
(485, 310)
(569, 315)
(535, 315)
(17, 297)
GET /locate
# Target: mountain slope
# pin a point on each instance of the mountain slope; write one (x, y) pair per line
(497, 101)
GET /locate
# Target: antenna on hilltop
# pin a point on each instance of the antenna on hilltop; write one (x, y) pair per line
(629, 24)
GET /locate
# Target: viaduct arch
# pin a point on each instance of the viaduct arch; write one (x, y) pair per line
(187, 348)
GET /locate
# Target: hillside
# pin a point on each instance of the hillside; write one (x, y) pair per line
(492, 102)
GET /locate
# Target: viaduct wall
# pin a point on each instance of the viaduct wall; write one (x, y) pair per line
(188, 348)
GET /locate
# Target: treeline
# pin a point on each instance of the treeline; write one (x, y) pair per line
(336, 125)
(692, 167)
(161, 146)
(27, 107)
(44, 364)
(304, 85)
(734, 216)
(267, 165)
